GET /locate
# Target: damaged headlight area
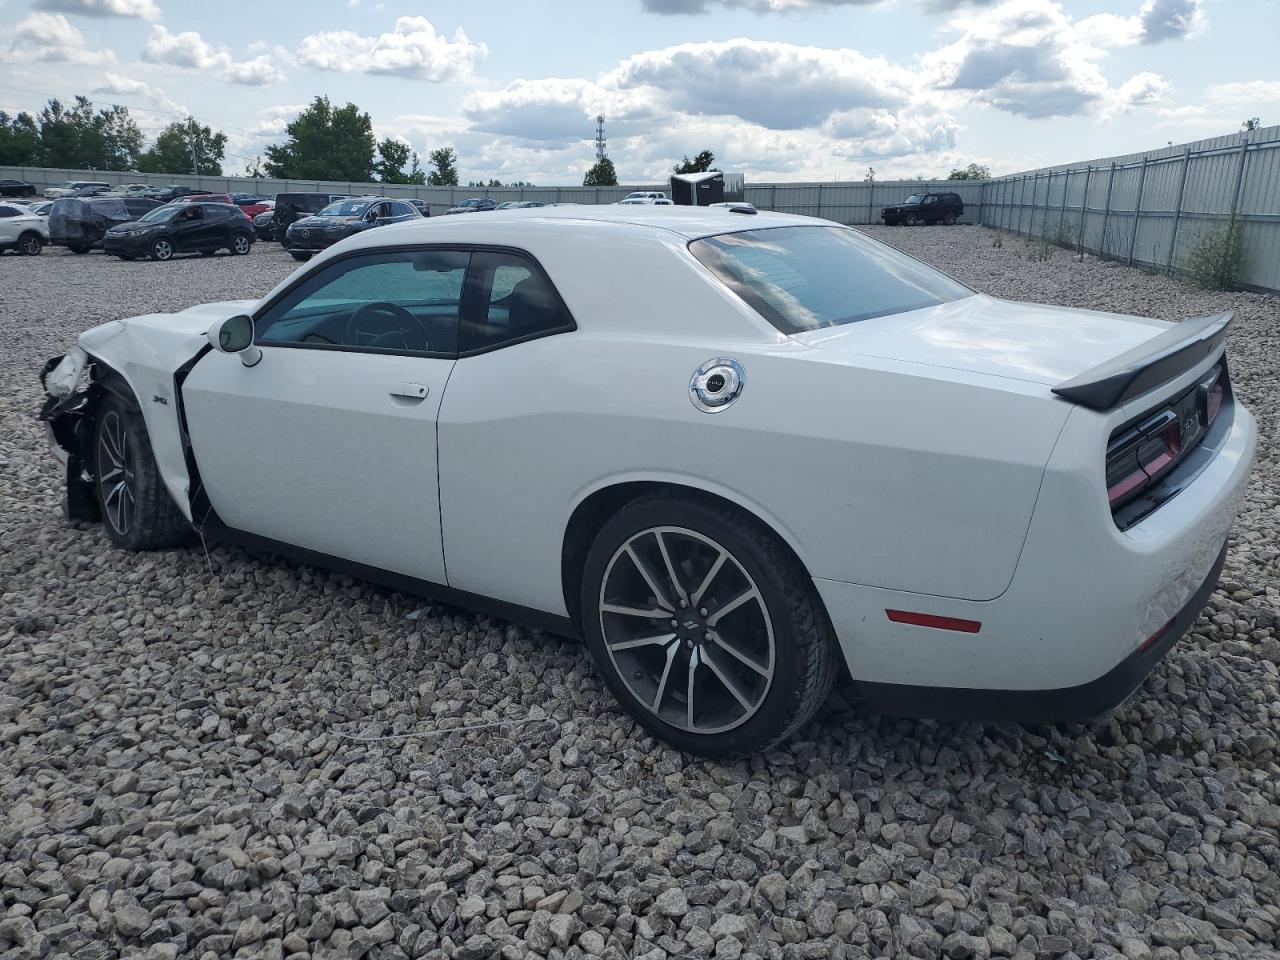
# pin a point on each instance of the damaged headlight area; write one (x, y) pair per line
(67, 417)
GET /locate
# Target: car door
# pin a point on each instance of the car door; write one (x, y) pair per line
(187, 227)
(8, 223)
(329, 442)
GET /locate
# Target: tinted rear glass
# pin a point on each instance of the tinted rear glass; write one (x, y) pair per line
(806, 278)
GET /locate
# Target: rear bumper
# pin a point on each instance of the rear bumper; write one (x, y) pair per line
(1058, 705)
(1065, 639)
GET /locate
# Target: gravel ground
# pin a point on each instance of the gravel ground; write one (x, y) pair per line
(185, 767)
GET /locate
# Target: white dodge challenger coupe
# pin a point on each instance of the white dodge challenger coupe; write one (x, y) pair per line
(732, 450)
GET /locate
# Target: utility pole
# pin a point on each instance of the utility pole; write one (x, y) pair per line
(600, 140)
(195, 163)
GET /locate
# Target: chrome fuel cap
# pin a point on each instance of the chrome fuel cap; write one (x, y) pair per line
(716, 384)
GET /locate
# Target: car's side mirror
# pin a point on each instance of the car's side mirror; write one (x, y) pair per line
(235, 335)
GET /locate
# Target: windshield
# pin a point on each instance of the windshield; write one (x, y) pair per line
(914, 198)
(806, 278)
(343, 208)
(157, 215)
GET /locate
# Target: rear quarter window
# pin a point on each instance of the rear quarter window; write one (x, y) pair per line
(807, 278)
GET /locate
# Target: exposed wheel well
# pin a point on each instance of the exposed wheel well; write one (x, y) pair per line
(592, 513)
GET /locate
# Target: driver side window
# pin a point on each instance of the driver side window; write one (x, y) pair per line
(395, 302)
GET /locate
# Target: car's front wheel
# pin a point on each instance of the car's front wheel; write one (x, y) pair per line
(241, 244)
(137, 511)
(299, 256)
(162, 249)
(704, 626)
(910, 219)
(30, 244)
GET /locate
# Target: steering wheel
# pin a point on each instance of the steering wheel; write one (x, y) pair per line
(391, 317)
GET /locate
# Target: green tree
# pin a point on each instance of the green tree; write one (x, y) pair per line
(325, 144)
(1253, 123)
(444, 169)
(254, 169)
(601, 175)
(81, 138)
(19, 140)
(974, 171)
(392, 157)
(185, 146)
(871, 175)
(699, 164)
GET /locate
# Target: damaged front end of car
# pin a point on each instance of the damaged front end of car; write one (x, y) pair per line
(68, 416)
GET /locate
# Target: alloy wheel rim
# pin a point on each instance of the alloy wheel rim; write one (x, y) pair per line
(242, 245)
(30, 244)
(163, 250)
(687, 630)
(116, 475)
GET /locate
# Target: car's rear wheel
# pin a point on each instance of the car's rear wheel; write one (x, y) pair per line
(77, 248)
(162, 249)
(704, 626)
(30, 244)
(299, 256)
(241, 244)
(949, 220)
(137, 511)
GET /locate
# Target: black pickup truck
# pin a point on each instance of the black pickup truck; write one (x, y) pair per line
(924, 208)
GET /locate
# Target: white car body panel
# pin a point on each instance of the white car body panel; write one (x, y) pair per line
(917, 461)
(318, 454)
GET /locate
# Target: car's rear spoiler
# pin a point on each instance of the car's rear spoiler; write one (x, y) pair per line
(1147, 365)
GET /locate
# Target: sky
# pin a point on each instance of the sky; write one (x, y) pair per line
(780, 90)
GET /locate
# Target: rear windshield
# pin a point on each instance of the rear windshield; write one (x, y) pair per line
(806, 278)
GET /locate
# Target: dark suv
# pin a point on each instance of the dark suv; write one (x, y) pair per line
(342, 218)
(293, 206)
(924, 208)
(180, 228)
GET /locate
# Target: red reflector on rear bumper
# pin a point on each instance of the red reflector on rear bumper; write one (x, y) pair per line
(929, 620)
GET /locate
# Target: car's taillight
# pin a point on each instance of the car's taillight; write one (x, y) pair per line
(1140, 454)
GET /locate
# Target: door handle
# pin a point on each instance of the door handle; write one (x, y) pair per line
(411, 391)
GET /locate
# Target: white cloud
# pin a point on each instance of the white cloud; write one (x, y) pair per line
(118, 85)
(141, 9)
(413, 48)
(1029, 57)
(189, 50)
(780, 6)
(257, 72)
(50, 38)
(1155, 21)
(778, 85)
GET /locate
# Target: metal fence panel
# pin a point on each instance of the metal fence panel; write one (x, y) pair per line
(1152, 208)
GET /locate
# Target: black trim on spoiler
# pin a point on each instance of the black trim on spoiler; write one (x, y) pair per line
(1147, 365)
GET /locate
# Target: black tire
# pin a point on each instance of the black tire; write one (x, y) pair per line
(77, 248)
(949, 220)
(804, 650)
(137, 511)
(30, 244)
(910, 219)
(162, 249)
(241, 244)
(299, 256)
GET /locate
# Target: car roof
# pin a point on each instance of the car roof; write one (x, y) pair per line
(690, 223)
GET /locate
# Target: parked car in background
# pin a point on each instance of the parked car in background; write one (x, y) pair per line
(309, 235)
(70, 186)
(172, 191)
(520, 204)
(1036, 512)
(635, 201)
(474, 205)
(924, 208)
(264, 225)
(22, 230)
(79, 223)
(421, 206)
(252, 206)
(189, 227)
(130, 190)
(93, 190)
(16, 188)
(42, 208)
(645, 195)
(291, 206)
(205, 198)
